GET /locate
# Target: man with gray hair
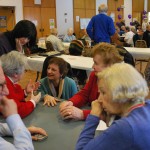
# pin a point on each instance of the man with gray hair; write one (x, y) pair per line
(101, 26)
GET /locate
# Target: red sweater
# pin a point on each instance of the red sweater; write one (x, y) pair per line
(88, 94)
(17, 93)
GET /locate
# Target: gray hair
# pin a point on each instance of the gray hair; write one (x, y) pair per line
(125, 83)
(13, 62)
(103, 8)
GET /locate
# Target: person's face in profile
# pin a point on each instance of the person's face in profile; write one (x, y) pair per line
(53, 72)
(23, 40)
(3, 87)
(105, 99)
(98, 65)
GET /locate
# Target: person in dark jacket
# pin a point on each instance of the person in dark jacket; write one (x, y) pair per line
(23, 35)
(146, 35)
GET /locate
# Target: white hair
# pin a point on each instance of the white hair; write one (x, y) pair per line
(102, 8)
(13, 62)
(125, 83)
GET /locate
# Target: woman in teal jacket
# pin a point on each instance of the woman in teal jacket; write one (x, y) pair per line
(56, 84)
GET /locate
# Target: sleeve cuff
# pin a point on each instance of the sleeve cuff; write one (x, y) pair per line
(31, 100)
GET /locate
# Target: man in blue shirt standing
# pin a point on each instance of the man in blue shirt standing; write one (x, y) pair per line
(101, 26)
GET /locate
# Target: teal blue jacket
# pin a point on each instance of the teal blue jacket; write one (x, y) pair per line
(69, 88)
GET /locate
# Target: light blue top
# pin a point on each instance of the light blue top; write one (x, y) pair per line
(16, 128)
(68, 38)
(69, 88)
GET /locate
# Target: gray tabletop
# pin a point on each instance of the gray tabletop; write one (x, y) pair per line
(62, 135)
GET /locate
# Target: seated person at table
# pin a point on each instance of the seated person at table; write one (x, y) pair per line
(138, 36)
(13, 65)
(69, 36)
(56, 84)
(14, 125)
(56, 42)
(146, 35)
(129, 37)
(104, 55)
(23, 35)
(123, 91)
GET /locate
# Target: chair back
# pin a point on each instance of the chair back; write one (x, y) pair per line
(49, 46)
(141, 44)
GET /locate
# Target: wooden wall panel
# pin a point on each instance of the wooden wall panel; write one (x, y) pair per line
(81, 14)
(33, 14)
(28, 3)
(47, 13)
(89, 13)
(148, 6)
(79, 4)
(112, 8)
(90, 4)
(40, 14)
(48, 3)
(10, 18)
(137, 9)
(137, 5)
(111, 5)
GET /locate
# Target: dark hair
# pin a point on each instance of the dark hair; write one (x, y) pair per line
(27, 29)
(62, 65)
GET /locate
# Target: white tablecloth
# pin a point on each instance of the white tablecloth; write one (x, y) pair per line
(77, 62)
(139, 53)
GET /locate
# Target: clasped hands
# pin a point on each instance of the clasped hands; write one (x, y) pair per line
(68, 111)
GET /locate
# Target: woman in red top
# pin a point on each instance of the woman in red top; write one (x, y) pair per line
(104, 55)
(13, 65)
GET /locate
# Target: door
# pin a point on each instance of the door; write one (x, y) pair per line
(7, 18)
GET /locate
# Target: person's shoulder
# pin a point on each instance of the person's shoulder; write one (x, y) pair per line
(44, 80)
(67, 79)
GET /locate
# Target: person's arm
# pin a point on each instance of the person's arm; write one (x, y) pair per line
(109, 139)
(112, 29)
(16, 128)
(82, 97)
(89, 29)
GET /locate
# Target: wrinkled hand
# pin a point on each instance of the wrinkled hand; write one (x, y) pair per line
(32, 86)
(96, 108)
(72, 112)
(65, 104)
(18, 45)
(36, 98)
(34, 130)
(50, 100)
(8, 107)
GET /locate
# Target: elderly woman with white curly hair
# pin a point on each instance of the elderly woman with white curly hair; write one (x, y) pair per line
(13, 64)
(123, 91)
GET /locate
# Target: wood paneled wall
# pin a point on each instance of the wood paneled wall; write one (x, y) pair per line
(137, 9)
(40, 14)
(83, 9)
(112, 8)
(9, 13)
(148, 6)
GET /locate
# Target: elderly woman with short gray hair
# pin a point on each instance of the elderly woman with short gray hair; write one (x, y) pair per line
(13, 65)
(123, 91)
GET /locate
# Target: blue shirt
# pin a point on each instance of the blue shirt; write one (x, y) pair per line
(15, 127)
(128, 133)
(100, 28)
